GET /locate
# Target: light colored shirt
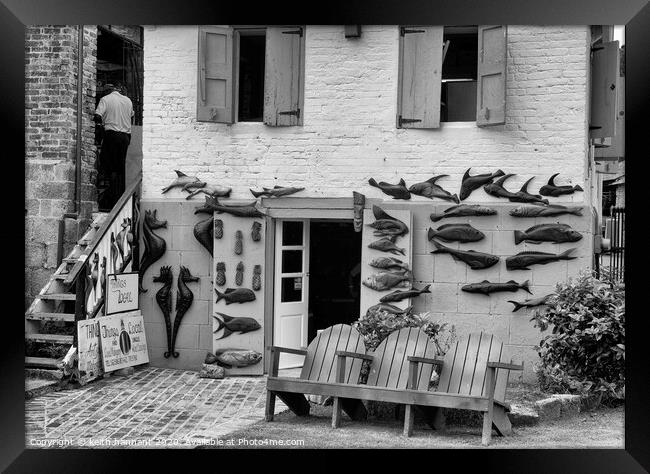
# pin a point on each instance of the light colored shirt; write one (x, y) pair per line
(116, 111)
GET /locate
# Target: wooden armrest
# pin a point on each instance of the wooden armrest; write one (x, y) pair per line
(355, 355)
(288, 350)
(503, 365)
(425, 360)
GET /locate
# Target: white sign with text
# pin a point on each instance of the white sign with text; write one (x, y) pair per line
(121, 292)
(90, 362)
(124, 343)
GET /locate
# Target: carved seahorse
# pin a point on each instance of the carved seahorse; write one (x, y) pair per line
(184, 299)
(154, 245)
(164, 300)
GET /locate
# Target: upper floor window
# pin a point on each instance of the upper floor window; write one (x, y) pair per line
(441, 74)
(251, 74)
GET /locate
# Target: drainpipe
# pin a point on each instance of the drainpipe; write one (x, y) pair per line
(80, 69)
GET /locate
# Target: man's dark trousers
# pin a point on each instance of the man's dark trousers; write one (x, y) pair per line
(113, 156)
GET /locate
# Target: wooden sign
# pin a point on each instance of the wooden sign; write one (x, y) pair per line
(89, 351)
(121, 292)
(123, 340)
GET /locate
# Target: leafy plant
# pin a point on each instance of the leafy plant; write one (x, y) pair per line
(376, 325)
(585, 352)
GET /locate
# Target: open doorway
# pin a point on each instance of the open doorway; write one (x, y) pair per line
(335, 274)
(119, 59)
(317, 280)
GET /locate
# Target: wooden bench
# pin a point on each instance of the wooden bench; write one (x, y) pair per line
(473, 376)
(318, 373)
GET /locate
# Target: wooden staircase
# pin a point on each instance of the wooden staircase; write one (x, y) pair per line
(50, 319)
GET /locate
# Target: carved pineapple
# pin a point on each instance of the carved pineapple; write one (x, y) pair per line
(221, 274)
(218, 228)
(239, 276)
(239, 242)
(256, 231)
(257, 277)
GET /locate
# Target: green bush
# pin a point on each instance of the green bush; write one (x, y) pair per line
(376, 325)
(585, 352)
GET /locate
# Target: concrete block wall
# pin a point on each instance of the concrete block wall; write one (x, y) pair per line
(470, 312)
(195, 332)
(349, 132)
(50, 144)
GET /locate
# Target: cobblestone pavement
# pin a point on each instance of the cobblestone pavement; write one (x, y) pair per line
(153, 408)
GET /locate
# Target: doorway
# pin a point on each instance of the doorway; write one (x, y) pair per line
(317, 280)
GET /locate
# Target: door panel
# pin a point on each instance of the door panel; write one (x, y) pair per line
(291, 288)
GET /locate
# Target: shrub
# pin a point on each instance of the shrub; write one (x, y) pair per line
(376, 325)
(585, 352)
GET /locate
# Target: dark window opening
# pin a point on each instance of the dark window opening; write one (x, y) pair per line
(334, 275)
(458, 91)
(252, 48)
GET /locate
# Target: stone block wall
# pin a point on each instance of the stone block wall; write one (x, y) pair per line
(50, 144)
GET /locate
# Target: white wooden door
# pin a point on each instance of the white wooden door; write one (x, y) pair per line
(291, 294)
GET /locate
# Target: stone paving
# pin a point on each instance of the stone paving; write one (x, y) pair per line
(153, 408)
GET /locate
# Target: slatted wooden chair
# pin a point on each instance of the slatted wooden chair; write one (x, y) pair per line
(473, 376)
(318, 373)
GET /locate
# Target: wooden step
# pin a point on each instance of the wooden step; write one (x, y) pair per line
(51, 317)
(57, 338)
(61, 276)
(43, 362)
(70, 259)
(58, 296)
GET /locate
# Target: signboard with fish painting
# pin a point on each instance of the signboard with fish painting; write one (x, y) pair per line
(123, 340)
(90, 359)
(386, 255)
(238, 296)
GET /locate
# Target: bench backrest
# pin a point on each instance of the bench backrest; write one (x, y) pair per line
(320, 362)
(390, 366)
(464, 368)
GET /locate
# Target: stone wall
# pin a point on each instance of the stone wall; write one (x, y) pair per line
(50, 144)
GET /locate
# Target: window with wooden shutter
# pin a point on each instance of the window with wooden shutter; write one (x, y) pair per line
(491, 76)
(604, 77)
(284, 75)
(420, 72)
(215, 75)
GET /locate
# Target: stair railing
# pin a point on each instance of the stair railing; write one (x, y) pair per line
(113, 249)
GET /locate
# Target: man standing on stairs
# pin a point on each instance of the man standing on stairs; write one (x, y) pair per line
(115, 113)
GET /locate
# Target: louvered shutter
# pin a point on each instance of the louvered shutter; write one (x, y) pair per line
(284, 75)
(491, 75)
(604, 77)
(420, 73)
(215, 86)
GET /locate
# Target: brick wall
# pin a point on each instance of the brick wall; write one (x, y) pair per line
(349, 129)
(50, 144)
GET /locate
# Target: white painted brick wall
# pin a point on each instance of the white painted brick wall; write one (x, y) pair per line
(349, 132)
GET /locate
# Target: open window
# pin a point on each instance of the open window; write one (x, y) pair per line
(451, 74)
(251, 74)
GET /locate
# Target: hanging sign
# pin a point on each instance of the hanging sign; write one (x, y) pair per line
(90, 363)
(121, 292)
(124, 343)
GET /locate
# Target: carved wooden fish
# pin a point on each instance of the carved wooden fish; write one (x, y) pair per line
(545, 211)
(388, 263)
(557, 233)
(387, 245)
(379, 214)
(213, 190)
(531, 302)
(398, 191)
(389, 308)
(386, 280)
(277, 191)
(524, 196)
(456, 233)
(523, 260)
(398, 295)
(496, 189)
(430, 189)
(384, 227)
(551, 189)
(154, 245)
(182, 181)
(476, 260)
(239, 324)
(238, 295)
(485, 287)
(203, 232)
(470, 183)
(230, 358)
(463, 210)
(212, 204)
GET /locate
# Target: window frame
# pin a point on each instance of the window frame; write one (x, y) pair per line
(238, 32)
